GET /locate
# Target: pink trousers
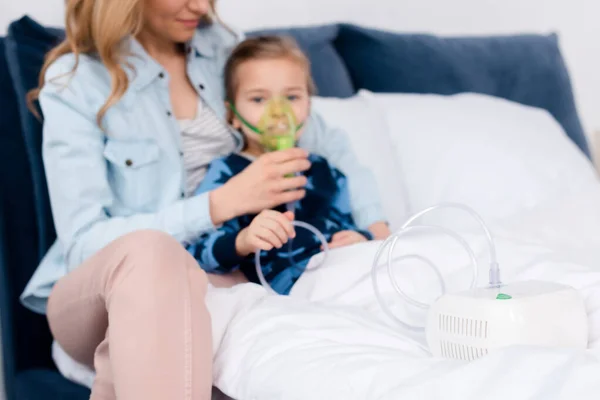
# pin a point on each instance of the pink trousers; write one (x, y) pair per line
(136, 313)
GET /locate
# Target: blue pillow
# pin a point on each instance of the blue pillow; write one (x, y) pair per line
(10, 124)
(26, 46)
(528, 69)
(328, 70)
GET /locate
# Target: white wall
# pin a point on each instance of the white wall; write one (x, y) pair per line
(575, 20)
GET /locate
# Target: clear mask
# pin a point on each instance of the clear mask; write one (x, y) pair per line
(277, 126)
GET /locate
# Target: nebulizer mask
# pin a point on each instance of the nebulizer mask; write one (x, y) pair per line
(277, 128)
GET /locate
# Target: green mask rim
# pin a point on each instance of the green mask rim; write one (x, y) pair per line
(249, 125)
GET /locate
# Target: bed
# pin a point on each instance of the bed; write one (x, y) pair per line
(331, 340)
(489, 122)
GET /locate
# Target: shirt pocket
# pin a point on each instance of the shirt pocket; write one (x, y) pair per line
(133, 172)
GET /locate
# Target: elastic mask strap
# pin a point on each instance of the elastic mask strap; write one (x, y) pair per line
(249, 125)
(243, 120)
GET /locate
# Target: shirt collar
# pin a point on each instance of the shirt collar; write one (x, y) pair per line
(202, 42)
(142, 69)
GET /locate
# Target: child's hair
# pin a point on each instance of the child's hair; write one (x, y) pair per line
(264, 48)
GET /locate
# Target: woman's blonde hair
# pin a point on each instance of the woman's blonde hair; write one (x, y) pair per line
(98, 27)
(264, 48)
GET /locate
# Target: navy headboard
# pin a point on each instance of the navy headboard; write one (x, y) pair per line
(527, 69)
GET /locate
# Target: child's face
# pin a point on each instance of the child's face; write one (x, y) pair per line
(261, 80)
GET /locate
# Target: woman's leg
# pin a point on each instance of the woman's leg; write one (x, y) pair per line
(136, 312)
(228, 280)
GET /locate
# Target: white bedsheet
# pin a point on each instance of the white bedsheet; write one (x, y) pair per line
(310, 347)
(315, 346)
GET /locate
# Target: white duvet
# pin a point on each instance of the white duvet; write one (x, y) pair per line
(330, 340)
(315, 346)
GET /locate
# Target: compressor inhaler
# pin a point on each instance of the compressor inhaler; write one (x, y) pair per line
(468, 325)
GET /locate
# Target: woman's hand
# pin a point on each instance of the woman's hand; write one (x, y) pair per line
(346, 238)
(261, 186)
(268, 230)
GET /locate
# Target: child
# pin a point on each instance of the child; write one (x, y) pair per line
(259, 70)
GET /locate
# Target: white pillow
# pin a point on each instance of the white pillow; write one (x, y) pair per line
(365, 125)
(497, 156)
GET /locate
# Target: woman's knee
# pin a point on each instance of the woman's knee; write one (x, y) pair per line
(156, 256)
(143, 240)
(151, 246)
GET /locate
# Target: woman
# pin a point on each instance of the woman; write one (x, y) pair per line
(133, 106)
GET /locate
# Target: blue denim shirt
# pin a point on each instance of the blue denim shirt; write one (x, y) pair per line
(129, 175)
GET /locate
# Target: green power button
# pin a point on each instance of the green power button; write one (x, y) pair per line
(502, 296)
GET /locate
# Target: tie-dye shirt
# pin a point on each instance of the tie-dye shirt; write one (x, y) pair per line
(326, 206)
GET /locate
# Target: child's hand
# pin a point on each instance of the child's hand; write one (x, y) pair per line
(268, 230)
(346, 238)
(380, 230)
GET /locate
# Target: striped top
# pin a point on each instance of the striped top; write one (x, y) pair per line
(203, 139)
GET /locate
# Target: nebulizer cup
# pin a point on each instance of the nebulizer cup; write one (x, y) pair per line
(278, 127)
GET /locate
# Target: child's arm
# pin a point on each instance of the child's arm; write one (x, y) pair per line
(340, 209)
(334, 145)
(346, 238)
(223, 250)
(270, 229)
(380, 230)
(215, 251)
(376, 231)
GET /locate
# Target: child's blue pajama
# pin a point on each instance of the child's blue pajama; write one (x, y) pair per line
(326, 206)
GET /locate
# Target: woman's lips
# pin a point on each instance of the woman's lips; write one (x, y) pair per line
(189, 23)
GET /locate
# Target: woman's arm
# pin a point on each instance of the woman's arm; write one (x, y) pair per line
(333, 144)
(76, 172)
